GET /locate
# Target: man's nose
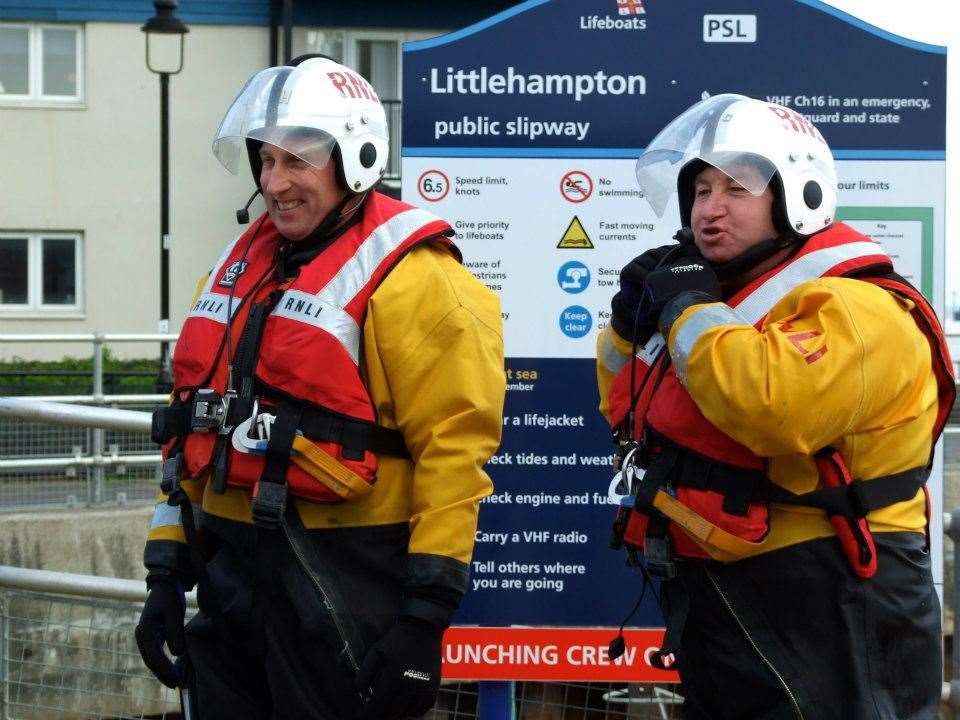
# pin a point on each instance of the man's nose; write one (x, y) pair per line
(715, 205)
(276, 180)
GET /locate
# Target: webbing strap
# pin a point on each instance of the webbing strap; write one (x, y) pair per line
(860, 497)
(724, 546)
(727, 546)
(355, 435)
(282, 432)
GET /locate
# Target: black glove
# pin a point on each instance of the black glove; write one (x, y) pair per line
(670, 289)
(632, 281)
(400, 675)
(162, 621)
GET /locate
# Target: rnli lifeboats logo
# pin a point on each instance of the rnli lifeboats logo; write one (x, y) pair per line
(231, 274)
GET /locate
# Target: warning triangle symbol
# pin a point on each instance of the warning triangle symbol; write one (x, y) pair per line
(575, 236)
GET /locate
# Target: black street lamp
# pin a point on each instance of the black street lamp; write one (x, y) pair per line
(161, 61)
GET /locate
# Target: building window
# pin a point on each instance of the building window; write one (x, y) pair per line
(41, 64)
(40, 273)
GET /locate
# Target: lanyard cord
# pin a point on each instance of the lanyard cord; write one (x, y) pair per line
(228, 334)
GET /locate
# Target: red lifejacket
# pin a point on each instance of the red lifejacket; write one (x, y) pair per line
(665, 416)
(309, 346)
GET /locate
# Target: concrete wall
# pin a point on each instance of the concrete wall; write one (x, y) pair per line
(108, 543)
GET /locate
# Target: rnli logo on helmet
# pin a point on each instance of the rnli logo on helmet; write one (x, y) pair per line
(231, 274)
(351, 85)
(796, 122)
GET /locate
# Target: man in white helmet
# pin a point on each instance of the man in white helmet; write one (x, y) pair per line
(324, 448)
(777, 391)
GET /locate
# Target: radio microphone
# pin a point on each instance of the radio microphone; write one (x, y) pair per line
(243, 214)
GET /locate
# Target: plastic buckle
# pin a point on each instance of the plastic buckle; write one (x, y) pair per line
(269, 504)
(170, 474)
(659, 557)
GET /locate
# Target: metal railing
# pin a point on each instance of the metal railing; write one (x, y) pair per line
(90, 452)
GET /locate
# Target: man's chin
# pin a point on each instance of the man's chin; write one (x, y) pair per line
(715, 256)
(292, 231)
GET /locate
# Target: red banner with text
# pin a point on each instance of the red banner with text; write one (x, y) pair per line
(548, 654)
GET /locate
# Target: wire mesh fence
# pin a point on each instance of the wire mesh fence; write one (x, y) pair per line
(76, 658)
(118, 483)
(73, 658)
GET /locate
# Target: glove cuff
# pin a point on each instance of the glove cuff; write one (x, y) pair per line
(675, 307)
(622, 327)
(157, 576)
(431, 613)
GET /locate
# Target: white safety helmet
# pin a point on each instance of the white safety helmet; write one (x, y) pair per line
(753, 142)
(314, 110)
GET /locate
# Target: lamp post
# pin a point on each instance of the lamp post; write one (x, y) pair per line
(164, 31)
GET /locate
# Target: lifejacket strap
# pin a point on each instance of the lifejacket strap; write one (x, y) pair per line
(860, 497)
(676, 610)
(354, 435)
(270, 492)
(282, 432)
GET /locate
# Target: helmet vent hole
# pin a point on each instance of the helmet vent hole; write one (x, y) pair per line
(368, 155)
(812, 195)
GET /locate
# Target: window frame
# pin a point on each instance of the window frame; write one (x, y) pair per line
(35, 307)
(35, 96)
(353, 36)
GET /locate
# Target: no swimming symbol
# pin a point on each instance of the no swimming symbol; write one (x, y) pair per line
(576, 186)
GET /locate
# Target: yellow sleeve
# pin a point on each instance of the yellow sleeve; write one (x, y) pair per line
(834, 357)
(613, 353)
(439, 338)
(165, 526)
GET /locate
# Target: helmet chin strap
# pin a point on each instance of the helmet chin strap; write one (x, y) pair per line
(338, 216)
(752, 256)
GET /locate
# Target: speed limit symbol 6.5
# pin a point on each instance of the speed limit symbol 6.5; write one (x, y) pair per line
(576, 186)
(433, 185)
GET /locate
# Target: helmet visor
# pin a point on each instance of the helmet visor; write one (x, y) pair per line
(286, 107)
(697, 135)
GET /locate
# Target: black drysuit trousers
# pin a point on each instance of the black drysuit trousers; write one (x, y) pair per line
(266, 644)
(795, 633)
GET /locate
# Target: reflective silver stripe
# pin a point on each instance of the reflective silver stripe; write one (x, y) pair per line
(165, 516)
(213, 306)
(691, 330)
(810, 266)
(215, 272)
(609, 356)
(310, 309)
(358, 270)
(653, 347)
